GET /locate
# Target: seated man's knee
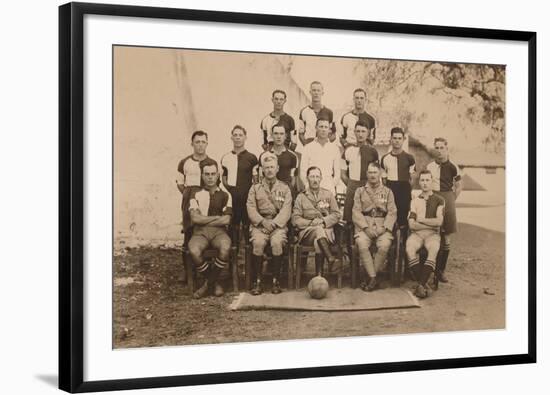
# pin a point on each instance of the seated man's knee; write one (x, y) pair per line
(320, 233)
(384, 245)
(258, 246)
(362, 241)
(195, 251)
(277, 244)
(384, 241)
(411, 247)
(224, 250)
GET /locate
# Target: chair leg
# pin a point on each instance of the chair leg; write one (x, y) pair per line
(398, 264)
(353, 267)
(341, 268)
(298, 266)
(290, 269)
(247, 268)
(235, 270)
(190, 274)
(183, 256)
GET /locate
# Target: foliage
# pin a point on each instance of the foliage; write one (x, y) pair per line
(476, 91)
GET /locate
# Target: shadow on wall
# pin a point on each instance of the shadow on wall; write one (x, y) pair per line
(160, 97)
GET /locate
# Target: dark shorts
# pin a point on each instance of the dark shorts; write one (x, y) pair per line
(186, 217)
(350, 195)
(449, 216)
(240, 215)
(402, 195)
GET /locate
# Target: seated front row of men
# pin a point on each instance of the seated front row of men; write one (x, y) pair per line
(315, 213)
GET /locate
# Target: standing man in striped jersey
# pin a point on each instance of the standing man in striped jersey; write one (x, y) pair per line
(356, 159)
(350, 119)
(447, 183)
(398, 169)
(425, 218)
(310, 114)
(287, 159)
(237, 167)
(323, 154)
(278, 117)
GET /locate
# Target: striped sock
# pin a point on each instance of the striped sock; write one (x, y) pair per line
(429, 267)
(203, 267)
(414, 267)
(219, 263)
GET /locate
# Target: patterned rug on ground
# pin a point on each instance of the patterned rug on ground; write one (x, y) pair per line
(344, 299)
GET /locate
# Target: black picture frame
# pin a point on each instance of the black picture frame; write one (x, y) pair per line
(71, 197)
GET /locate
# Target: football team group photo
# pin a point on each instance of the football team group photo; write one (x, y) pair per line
(261, 197)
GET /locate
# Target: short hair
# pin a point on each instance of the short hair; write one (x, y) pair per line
(321, 119)
(238, 127)
(268, 157)
(425, 171)
(309, 170)
(397, 130)
(362, 122)
(199, 133)
(277, 126)
(278, 91)
(360, 90)
(315, 83)
(440, 140)
(374, 164)
(208, 162)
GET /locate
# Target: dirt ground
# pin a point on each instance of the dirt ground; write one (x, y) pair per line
(153, 308)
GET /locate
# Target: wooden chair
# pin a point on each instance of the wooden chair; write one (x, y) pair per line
(396, 259)
(208, 254)
(288, 260)
(337, 250)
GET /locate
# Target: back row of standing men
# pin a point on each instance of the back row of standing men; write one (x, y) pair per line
(309, 149)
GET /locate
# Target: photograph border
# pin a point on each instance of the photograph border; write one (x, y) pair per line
(71, 195)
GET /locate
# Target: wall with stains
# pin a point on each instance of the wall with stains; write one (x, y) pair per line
(160, 97)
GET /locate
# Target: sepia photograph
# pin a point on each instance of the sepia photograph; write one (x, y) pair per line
(267, 197)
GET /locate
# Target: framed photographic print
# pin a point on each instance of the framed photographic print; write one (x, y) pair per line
(249, 197)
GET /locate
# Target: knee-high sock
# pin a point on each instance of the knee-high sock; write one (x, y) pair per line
(276, 262)
(442, 256)
(213, 273)
(324, 246)
(319, 261)
(415, 268)
(427, 270)
(203, 268)
(256, 267)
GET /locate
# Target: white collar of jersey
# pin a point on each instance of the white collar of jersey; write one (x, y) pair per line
(215, 190)
(423, 196)
(272, 150)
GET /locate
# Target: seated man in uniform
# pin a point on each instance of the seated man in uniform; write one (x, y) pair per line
(210, 211)
(269, 206)
(425, 220)
(374, 213)
(315, 213)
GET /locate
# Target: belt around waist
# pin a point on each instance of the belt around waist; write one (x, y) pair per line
(374, 214)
